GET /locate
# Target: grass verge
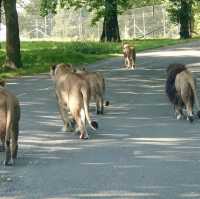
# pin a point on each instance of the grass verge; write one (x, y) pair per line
(38, 56)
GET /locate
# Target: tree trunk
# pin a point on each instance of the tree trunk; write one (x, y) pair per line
(13, 56)
(185, 19)
(110, 24)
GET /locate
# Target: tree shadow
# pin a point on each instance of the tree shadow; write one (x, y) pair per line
(139, 151)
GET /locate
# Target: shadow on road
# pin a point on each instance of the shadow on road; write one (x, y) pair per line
(139, 151)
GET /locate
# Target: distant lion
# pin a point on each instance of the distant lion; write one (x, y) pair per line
(181, 90)
(129, 56)
(73, 95)
(9, 123)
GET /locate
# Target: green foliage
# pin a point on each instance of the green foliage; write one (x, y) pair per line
(37, 57)
(176, 11)
(95, 6)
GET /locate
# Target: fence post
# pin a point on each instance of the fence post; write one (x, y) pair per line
(37, 28)
(153, 10)
(45, 25)
(164, 22)
(80, 25)
(144, 28)
(134, 23)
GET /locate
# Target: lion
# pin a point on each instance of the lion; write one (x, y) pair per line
(73, 95)
(97, 87)
(181, 91)
(129, 56)
(9, 124)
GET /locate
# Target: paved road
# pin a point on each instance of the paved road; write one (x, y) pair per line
(140, 150)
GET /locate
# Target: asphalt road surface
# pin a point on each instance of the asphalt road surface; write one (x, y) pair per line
(139, 151)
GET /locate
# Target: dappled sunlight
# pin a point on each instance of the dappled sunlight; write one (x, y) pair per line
(106, 135)
(12, 83)
(31, 103)
(190, 195)
(139, 150)
(155, 104)
(53, 123)
(48, 148)
(168, 53)
(161, 141)
(115, 194)
(96, 163)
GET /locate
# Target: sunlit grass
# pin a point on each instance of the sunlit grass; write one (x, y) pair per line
(38, 56)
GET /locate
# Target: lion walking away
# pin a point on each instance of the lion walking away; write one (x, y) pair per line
(9, 124)
(73, 96)
(181, 90)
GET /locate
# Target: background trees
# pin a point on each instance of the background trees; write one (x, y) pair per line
(107, 9)
(182, 12)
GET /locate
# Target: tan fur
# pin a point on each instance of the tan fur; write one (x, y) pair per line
(186, 89)
(9, 124)
(73, 94)
(129, 56)
(97, 87)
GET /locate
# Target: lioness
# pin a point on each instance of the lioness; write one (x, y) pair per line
(129, 56)
(9, 123)
(181, 90)
(73, 94)
(97, 87)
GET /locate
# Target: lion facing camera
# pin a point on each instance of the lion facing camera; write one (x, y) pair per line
(129, 56)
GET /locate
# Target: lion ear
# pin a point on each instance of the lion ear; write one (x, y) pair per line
(70, 65)
(53, 68)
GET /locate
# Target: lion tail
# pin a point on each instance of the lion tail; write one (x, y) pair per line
(8, 119)
(106, 102)
(92, 124)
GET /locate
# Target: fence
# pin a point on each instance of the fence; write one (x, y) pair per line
(146, 22)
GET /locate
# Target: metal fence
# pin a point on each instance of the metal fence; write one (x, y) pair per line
(146, 22)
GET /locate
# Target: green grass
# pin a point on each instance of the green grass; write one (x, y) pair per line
(38, 56)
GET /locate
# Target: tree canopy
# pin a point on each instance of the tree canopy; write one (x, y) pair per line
(106, 9)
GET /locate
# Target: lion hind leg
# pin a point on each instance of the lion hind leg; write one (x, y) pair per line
(2, 147)
(14, 147)
(179, 112)
(131, 63)
(190, 115)
(100, 105)
(187, 99)
(8, 152)
(125, 61)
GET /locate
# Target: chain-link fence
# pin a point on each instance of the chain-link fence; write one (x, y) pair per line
(146, 22)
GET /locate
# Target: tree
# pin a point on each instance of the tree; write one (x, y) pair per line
(110, 23)
(106, 9)
(13, 55)
(181, 11)
(196, 19)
